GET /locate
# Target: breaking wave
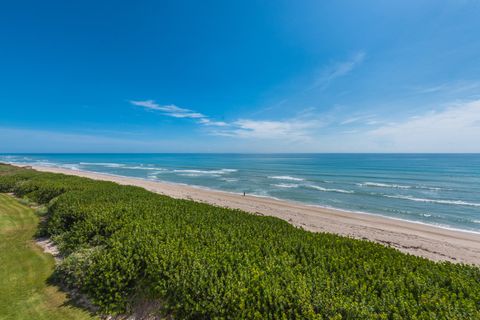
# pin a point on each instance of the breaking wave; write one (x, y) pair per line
(103, 164)
(196, 173)
(286, 178)
(330, 190)
(382, 185)
(395, 186)
(440, 201)
(286, 185)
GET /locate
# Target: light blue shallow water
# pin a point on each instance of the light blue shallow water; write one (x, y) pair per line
(439, 189)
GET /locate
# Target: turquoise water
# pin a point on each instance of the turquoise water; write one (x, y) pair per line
(438, 189)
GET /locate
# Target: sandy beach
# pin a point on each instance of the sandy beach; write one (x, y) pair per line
(431, 242)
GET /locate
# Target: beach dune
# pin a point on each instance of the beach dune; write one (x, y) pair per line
(431, 242)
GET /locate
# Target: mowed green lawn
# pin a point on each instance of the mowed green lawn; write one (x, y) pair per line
(24, 269)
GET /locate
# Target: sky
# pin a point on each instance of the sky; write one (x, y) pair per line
(240, 76)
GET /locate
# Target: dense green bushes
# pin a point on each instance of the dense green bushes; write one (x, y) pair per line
(124, 243)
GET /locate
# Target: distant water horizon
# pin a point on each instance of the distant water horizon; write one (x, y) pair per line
(436, 189)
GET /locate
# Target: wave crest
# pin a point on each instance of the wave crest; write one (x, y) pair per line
(330, 190)
(286, 178)
(440, 201)
(383, 185)
(103, 164)
(196, 172)
(395, 186)
(286, 185)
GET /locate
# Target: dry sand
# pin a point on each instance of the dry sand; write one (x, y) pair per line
(419, 239)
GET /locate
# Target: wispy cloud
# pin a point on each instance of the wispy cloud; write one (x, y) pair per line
(364, 119)
(169, 110)
(178, 112)
(337, 70)
(450, 87)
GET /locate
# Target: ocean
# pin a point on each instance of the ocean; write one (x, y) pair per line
(436, 189)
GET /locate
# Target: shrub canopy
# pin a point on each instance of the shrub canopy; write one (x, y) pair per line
(124, 244)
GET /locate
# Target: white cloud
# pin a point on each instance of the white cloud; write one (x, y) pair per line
(178, 112)
(209, 122)
(293, 129)
(299, 128)
(146, 103)
(169, 110)
(338, 70)
(455, 129)
(192, 115)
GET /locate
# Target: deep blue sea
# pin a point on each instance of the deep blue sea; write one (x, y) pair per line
(437, 189)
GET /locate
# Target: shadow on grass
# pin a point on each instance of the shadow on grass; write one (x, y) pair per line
(74, 298)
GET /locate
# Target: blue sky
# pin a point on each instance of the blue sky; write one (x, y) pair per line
(240, 76)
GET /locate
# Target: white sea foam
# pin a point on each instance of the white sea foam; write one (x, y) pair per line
(430, 188)
(103, 164)
(286, 178)
(382, 185)
(330, 190)
(395, 186)
(286, 185)
(197, 173)
(143, 168)
(70, 166)
(45, 164)
(153, 174)
(440, 201)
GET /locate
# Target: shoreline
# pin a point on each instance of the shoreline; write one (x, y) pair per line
(432, 242)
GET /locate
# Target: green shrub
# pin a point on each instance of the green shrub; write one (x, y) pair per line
(206, 262)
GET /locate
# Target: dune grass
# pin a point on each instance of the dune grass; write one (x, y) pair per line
(24, 270)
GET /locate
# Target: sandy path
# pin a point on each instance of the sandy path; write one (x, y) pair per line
(414, 238)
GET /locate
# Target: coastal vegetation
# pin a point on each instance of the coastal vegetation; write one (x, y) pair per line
(24, 269)
(124, 246)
